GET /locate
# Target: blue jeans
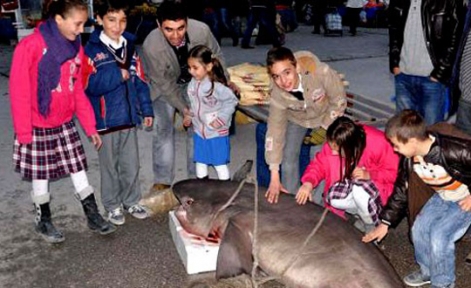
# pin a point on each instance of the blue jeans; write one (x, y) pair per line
(212, 20)
(163, 144)
(226, 22)
(434, 233)
(288, 19)
(264, 17)
(421, 94)
(290, 163)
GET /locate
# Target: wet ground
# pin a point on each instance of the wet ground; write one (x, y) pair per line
(141, 253)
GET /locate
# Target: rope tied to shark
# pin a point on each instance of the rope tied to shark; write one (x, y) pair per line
(229, 202)
(255, 283)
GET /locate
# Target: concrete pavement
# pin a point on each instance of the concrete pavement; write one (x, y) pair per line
(141, 253)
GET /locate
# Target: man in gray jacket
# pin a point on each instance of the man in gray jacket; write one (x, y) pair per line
(165, 53)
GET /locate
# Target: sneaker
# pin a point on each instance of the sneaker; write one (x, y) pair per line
(116, 216)
(138, 211)
(416, 279)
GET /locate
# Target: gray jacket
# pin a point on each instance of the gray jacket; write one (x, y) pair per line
(162, 66)
(219, 106)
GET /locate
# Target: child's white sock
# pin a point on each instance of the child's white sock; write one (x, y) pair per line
(223, 172)
(201, 170)
(82, 187)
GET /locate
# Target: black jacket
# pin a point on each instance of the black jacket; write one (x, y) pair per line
(410, 193)
(442, 24)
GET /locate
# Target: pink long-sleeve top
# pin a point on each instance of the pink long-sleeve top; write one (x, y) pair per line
(67, 99)
(378, 158)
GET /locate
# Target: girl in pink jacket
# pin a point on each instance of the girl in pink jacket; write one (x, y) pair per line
(359, 167)
(46, 92)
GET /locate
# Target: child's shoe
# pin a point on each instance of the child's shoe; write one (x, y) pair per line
(116, 216)
(94, 219)
(416, 279)
(138, 211)
(44, 226)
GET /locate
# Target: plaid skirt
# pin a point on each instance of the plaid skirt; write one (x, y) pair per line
(53, 153)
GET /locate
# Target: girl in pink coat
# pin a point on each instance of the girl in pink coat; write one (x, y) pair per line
(46, 93)
(359, 167)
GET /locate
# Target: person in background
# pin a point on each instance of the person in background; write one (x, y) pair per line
(262, 12)
(319, 8)
(119, 95)
(285, 10)
(461, 82)
(440, 162)
(461, 78)
(211, 17)
(194, 8)
(354, 7)
(299, 9)
(299, 100)
(212, 106)
(230, 20)
(359, 167)
(423, 40)
(46, 93)
(165, 55)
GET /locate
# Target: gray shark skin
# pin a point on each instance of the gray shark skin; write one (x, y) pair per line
(333, 257)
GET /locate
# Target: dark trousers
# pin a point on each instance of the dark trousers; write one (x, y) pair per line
(212, 20)
(353, 18)
(264, 17)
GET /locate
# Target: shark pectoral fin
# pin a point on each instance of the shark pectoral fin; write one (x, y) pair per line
(235, 252)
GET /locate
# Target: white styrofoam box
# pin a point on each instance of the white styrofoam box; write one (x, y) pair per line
(198, 255)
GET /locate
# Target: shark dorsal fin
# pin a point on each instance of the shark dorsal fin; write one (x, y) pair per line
(243, 171)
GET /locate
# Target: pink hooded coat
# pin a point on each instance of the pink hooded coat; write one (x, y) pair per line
(378, 158)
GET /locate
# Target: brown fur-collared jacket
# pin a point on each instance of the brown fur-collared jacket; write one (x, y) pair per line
(324, 101)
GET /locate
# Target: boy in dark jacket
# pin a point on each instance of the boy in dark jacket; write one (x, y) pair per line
(120, 97)
(441, 162)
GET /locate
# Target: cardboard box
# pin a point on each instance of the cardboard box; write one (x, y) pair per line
(198, 255)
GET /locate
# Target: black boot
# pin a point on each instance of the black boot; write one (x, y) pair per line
(95, 221)
(44, 225)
